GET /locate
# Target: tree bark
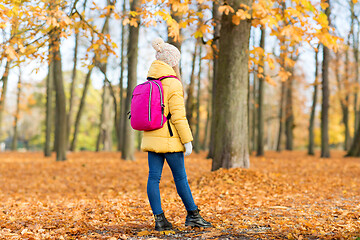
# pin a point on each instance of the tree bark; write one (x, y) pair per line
(49, 105)
(60, 99)
(105, 125)
(101, 123)
(215, 47)
(190, 101)
(355, 147)
(283, 55)
(129, 135)
(344, 102)
(281, 117)
(289, 121)
(311, 146)
(4, 80)
(356, 56)
(121, 85)
(197, 133)
(231, 118)
(325, 149)
(260, 137)
(254, 112)
(208, 108)
(16, 118)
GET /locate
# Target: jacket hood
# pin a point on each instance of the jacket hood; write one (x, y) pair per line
(159, 69)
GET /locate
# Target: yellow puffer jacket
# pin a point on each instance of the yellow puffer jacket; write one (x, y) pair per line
(159, 140)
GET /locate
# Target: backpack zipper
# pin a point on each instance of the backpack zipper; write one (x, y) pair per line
(161, 103)
(150, 102)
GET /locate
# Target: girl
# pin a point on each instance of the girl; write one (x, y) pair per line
(161, 145)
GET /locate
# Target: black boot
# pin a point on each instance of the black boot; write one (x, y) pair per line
(161, 223)
(194, 219)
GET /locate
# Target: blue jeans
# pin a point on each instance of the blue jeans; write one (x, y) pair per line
(177, 166)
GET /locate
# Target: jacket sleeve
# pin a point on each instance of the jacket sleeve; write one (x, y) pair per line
(177, 110)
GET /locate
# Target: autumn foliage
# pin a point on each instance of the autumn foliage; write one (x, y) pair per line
(97, 196)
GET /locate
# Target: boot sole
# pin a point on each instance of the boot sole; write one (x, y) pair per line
(163, 229)
(191, 224)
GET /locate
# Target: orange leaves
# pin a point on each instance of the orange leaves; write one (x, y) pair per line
(202, 30)
(240, 15)
(131, 21)
(11, 53)
(99, 196)
(226, 9)
(179, 7)
(174, 29)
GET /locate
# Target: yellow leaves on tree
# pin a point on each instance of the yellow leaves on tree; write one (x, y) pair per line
(202, 30)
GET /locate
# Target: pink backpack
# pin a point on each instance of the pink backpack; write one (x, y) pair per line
(147, 106)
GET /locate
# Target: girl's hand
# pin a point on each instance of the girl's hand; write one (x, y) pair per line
(188, 148)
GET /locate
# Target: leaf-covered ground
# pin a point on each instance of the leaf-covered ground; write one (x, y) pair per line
(98, 196)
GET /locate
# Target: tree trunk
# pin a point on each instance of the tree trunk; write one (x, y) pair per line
(72, 91)
(313, 107)
(260, 122)
(49, 105)
(356, 56)
(355, 147)
(215, 47)
(281, 117)
(190, 101)
(345, 103)
(60, 99)
(254, 112)
(105, 125)
(197, 133)
(289, 121)
(208, 117)
(231, 118)
(283, 55)
(16, 119)
(4, 80)
(80, 110)
(325, 150)
(129, 135)
(101, 123)
(121, 85)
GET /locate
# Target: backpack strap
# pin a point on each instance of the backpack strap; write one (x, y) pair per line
(163, 77)
(168, 123)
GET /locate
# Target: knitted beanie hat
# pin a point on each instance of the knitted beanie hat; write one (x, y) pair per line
(166, 52)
